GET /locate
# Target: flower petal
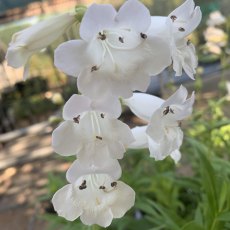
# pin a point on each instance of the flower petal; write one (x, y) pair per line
(141, 140)
(178, 97)
(143, 105)
(97, 18)
(125, 198)
(102, 218)
(67, 58)
(176, 156)
(107, 166)
(64, 205)
(184, 10)
(76, 105)
(65, 139)
(135, 15)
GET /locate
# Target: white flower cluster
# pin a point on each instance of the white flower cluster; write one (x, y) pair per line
(116, 55)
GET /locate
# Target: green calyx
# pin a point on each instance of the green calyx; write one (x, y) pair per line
(80, 11)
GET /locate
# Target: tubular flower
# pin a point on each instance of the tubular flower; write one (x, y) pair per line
(174, 29)
(115, 55)
(95, 198)
(90, 134)
(163, 135)
(35, 38)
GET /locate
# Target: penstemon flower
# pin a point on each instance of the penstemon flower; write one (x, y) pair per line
(35, 38)
(115, 55)
(174, 29)
(95, 198)
(90, 134)
(163, 135)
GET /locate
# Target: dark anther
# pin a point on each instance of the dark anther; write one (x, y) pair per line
(94, 68)
(113, 184)
(102, 115)
(144, 36)
(83, 185)
(76, 119)
(102, 187)
(181, 29)
(121, 39)
(168, 110)
(188, 42)
(99, 138)
(179, 124)
(173, 17)
(102, 36)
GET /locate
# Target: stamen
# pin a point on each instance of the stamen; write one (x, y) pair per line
(102, 36)
(121, 39)
(99, 138)
(167, 110)
(181, 29)
(83, 185)
(179, 124)
(102, 187)
(188, 42)
(94, 68)
(102, 115)
(144, 36)
(76, 119)
(113, 184)
(173, 17)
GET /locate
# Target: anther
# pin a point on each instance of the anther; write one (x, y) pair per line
(94, 68)
(99, 138)
(121, 39)
(76, 119)
(144, 36)
(83, 185)
(102, 36)
(173, 17)
(188, 42)
(181, 29)
(102, 187)
(113, 184)
(167, 110)
(102, 115)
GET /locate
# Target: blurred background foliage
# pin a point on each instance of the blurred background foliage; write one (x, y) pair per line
(193, 195)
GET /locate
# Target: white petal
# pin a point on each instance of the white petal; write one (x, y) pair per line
(70, 57)
(176, 156)
(76, 105)
(102, 218)
(141, 141)
(99, 84)
(97, 18)
(17, 56)
(158, 27)
(111, 106)
(125, 200)
(143, 105)
(177, 98)
(66, 139)
(154, 149)
(184, 10)
(106, 166)
(134, 15)
(64, 203)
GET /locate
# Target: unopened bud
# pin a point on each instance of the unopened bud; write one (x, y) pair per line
(80, 11)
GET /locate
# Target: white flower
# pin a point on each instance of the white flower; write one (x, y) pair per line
(216, 19)
(89, 133)
(95, 198)
(163, 135)
(115, 55)
(216, 36)
(174, 29)
(31, 40)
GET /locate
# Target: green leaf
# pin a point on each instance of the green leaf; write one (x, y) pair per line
(224, 216)
(192, 226)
